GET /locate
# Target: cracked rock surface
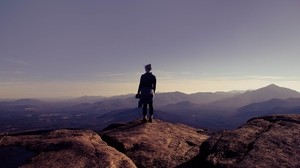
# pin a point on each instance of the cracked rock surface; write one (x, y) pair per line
(271, 141)
(129, 145)
(157, 144)
(60, 149)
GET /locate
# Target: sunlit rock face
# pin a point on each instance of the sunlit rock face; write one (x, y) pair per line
(64, 148)
(129, 145)
(271, 141)
(157, 144)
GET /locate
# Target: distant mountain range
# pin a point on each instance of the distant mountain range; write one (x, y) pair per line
(263, 94)
(219, 110)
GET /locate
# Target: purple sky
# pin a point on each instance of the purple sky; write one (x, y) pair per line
(72, 48)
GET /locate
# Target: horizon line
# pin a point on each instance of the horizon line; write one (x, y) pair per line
(127, 94)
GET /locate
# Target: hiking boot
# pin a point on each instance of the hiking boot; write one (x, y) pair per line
(151, 119)
(144, 120)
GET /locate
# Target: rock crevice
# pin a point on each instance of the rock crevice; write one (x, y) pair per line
(251, 144)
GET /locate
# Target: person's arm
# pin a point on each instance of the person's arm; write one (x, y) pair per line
(154, 83)
(139, 89)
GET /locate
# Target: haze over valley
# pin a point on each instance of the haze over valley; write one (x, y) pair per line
(65, 49)
(211, 110)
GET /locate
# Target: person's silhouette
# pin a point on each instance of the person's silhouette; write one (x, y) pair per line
(146, 91)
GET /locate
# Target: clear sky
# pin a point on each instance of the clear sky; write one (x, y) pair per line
(61, 48)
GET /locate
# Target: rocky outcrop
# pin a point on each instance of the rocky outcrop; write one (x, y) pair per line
(271, 141)
(128, 145)
(157, 144)
(60, 148)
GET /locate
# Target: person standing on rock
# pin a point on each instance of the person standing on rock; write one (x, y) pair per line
(146, 91)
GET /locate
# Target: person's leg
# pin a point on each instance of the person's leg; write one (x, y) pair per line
(144, 112)
(151, 111)
(151, 108)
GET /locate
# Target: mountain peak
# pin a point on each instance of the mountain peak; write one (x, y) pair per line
(272, 86)
(277, 89)
(262, 94)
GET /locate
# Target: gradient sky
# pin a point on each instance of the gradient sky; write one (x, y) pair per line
(73, 48)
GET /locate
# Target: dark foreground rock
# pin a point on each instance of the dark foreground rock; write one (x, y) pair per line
(272, 141)
(264, 142)
(60, 148)
(157, 144)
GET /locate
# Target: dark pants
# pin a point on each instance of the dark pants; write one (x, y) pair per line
(150, 108)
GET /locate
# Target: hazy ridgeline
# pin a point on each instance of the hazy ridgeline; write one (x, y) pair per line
(215, 111)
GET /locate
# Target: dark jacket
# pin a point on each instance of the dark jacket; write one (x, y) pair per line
(148, 80)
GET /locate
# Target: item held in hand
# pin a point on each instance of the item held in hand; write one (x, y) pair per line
(137, 96)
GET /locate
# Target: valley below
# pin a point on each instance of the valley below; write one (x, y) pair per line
(213, 111)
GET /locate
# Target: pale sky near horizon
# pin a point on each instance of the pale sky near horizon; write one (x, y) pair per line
(63, 48)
